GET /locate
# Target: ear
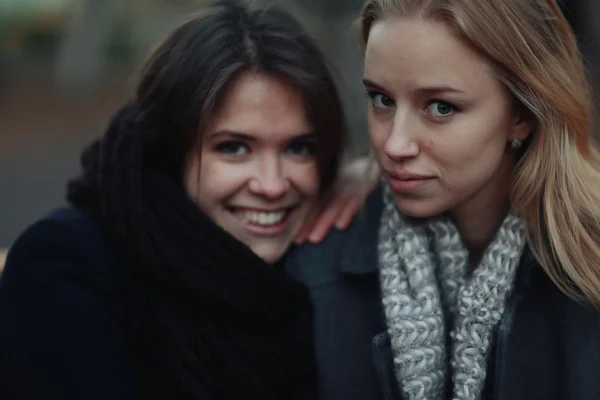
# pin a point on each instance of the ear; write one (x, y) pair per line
(523, 123)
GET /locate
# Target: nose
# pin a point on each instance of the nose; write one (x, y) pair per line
(401, 144)
(269, 180)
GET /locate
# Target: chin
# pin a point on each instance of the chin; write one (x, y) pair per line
(270, 258)
(417, 208)
(269, 255)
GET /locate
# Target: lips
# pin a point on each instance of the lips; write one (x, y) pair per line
(407, 182)
(407, 176)
(264, 218)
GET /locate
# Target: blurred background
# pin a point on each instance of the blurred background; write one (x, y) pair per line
(66, 65)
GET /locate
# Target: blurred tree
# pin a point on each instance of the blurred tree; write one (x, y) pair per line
(81, 55)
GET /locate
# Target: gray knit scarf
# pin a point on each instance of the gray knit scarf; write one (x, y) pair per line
(434, 306)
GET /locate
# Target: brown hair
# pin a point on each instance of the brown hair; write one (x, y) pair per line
(186, 77)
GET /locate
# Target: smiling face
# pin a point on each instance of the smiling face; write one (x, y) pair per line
(256, 173)
(439, 119)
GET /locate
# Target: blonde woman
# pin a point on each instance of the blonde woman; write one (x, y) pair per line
(474, 271)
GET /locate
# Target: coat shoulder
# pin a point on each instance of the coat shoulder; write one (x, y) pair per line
(67, 242)
(349, 251)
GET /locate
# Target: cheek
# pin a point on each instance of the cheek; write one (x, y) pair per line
(211, 180)
(305, 178)
(223, 181)
(469, 158)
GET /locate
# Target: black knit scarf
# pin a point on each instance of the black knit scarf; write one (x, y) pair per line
(231, 326)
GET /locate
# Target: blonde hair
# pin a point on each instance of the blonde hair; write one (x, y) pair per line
(556, 189)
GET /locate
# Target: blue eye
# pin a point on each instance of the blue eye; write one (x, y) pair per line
(302, 148)
(439, 109)
(380, 100)
(233, 148)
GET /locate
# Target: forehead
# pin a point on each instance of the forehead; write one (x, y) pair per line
(262, 106)
(419, 52)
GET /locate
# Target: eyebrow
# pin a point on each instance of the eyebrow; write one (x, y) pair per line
(427, 89)
(232, 134)
(368, 83)
(250, 138)
(440, 89)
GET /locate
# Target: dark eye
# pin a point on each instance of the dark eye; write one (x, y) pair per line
(302, 148)
(439, 109)
(234, 148)
(380, 100)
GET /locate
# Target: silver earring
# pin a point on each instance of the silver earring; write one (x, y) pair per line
(516, 144)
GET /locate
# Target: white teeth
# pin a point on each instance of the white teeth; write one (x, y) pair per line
(263, 218)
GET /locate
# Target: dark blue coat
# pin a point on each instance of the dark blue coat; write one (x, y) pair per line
(74, 323)
(71, 319)
(547, 346)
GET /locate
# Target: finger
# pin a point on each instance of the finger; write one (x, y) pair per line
(300, 238)
(347, 214)
(307, 228)
(309, 225)
(325, 221)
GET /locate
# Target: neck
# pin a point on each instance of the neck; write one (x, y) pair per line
(478, 229)
(479, 218)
